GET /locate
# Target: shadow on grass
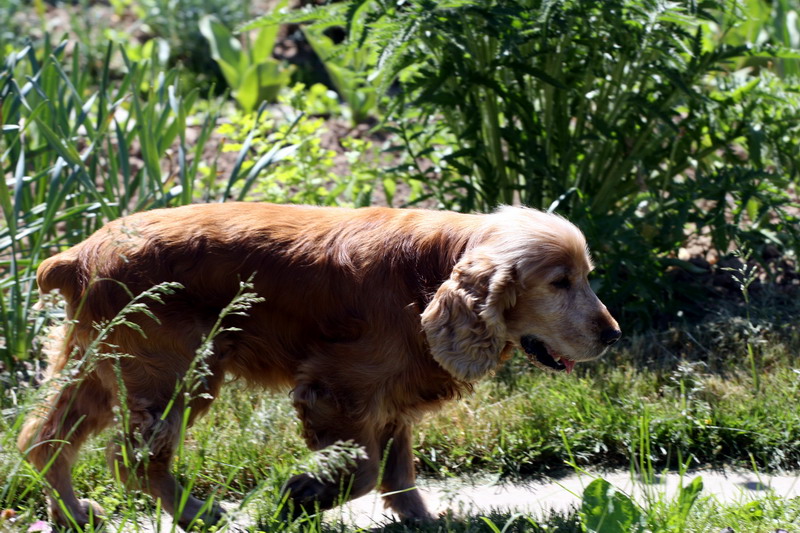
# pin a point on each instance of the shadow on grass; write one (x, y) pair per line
(492, 522)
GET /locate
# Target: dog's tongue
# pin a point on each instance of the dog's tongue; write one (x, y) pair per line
(569, 364)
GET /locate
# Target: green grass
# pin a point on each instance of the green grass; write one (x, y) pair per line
(90, 134)
(522, 423)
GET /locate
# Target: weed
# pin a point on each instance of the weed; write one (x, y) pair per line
(292, 166)
(177, 22)
(250, 71)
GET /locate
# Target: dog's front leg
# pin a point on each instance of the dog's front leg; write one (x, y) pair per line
(398, 483)
(334, 480)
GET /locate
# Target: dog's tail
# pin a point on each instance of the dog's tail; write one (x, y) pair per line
(61, 272)
(57, 272)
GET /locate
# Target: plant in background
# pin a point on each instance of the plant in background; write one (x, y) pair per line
(177, 21)
(745, 275)
(77, 151)
(316, 100)
(250, 71)
(10, 11)
(544, 104)
(285, 161)
(348, 68)
(772, 25)
(601, 110)
(349, 65)
(423, 145)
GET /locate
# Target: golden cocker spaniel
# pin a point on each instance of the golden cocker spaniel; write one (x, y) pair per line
(370, 316)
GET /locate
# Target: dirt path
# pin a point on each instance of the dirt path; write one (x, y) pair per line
(478, 496)
(536, 498)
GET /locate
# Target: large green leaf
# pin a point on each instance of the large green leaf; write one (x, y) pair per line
(225, 48)
(262, 82)
(262, 46)
(607, 510)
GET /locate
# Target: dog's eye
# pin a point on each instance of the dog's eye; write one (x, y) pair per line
(562, 283)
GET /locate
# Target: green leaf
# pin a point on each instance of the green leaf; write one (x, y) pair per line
(224, 49)
(231, 74)
(261, 49)
(389, 189)
(262, 82)
(5, 203)
(607, 510)
(63, 149)
(781, 52)
(753, 206)
(247, 92)
(685, 265)
(688, 496)
(326, 13)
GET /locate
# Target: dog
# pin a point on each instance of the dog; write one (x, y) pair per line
(371, 317)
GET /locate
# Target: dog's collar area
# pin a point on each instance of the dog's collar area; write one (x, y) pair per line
(539, 352)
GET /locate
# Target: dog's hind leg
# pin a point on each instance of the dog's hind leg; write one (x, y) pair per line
(398, 481)
(52, 436)
(150, 437)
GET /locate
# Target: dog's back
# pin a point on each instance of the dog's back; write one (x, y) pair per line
(329, 277)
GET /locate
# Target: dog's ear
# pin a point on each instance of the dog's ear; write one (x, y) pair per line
(464, 322)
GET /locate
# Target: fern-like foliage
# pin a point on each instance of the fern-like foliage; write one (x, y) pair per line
(317, 16)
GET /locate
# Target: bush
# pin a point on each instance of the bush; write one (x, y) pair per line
(76, 152)
(290, 163)
(621, 114)
(177, 21)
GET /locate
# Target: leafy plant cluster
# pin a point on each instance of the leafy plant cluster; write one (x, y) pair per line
(77, 151)
(251, 73)
(628, 116)
(770, 24)
(289, 162)
(178, 22)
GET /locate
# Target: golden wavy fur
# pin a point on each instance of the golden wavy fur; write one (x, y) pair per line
(371, 317)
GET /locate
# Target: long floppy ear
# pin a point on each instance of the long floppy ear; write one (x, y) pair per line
(464, 322)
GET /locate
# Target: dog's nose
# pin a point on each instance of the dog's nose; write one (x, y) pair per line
(610, 336)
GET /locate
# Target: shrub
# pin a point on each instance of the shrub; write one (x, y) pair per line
(289, 162)
(250, 71)
(77, 151)
(177, 21)
(622, 114)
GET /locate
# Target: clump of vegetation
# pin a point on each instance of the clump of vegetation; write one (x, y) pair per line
(249, 69)
(290, 163)
(667, 131)
(626, 116)
(178, 23)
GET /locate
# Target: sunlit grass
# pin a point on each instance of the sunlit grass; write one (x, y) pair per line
(522, 422)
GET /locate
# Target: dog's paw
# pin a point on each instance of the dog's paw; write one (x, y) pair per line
(303, 494)
(303, 488)
(88, 512)
(409, 506)
(193, 517)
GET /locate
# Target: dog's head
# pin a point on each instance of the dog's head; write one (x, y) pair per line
(523, 284)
